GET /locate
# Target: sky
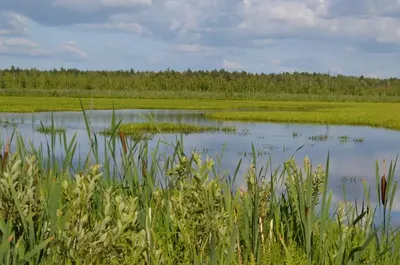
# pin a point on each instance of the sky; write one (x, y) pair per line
(350, 37)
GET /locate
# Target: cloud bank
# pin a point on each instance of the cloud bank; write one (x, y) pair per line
(350, 37)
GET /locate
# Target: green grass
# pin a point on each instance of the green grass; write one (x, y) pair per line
(382, 115)
(158, 208)
(152, 128)
(192, 95)
(39, 104)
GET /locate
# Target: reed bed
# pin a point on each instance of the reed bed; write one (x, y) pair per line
(178, 209)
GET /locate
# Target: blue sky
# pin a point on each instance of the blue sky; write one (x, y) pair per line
(352, 37)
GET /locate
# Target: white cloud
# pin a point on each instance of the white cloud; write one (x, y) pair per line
(188, 48)
(20, 42)
(125, 3)
(12, 23)
(321, 34)
(350, 48)
(92, 5)
(71, 49)
(121, 22)
(21, 46)
(275, 61)
(232, 65)
(302, 19)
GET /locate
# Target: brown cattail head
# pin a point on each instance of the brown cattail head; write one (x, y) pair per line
(123, 142)
(383, 184)
(144, 168)
(5, 155)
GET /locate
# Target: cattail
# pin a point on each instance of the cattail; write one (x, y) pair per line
(123, 141)
(383, 184)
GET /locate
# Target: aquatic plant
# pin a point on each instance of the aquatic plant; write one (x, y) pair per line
(343, 138)
(319, 137)
(358, 139)
(9, 123)
(50, 130)
(296, 134)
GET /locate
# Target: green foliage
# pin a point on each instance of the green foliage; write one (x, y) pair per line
(176, 209)
(215, 84)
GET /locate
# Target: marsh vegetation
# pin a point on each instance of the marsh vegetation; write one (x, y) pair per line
(154, 128)
(127, 203)
(143, 207)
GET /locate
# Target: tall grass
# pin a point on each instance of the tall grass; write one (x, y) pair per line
(143, 207)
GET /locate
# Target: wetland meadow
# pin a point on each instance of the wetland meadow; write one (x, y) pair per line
(196, 170)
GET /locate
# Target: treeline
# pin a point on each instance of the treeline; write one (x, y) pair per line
(196, 81)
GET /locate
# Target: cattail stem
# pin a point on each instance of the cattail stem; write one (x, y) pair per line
(5, 155)
(383, 184)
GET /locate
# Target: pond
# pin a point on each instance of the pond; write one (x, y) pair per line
(351, 158)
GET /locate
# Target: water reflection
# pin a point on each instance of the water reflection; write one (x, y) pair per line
(275, 140)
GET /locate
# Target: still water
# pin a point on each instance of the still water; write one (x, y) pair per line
(349, 161)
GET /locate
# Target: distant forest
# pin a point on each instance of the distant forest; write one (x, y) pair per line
(216, 81)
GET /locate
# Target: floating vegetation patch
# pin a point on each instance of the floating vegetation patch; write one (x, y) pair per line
(153, 128)
(319, 137)
(243, 132)
(9, 123)
(296, 134)
(343, 138)
(270, 147)
(258, 153)
(50, 130)
(346, 139)
(351, 179)
(358, 140)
